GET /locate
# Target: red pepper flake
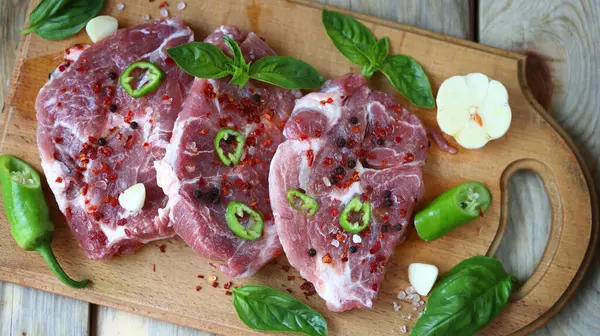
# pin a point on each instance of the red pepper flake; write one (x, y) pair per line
(333, 211)
(87, 201)
(385, 218)
(162, 4)
(340, 237)
(308, 288)
(153, 267)
(114, 202)
(228, 293)
(310, 157)
(291, 278)
(162, 248)
(68, 213)
(355, 177)
(267, 143)
(165, 97)
(356, 129)
(383, 163)
(253, 203)
(344, 257)
(92, 140)
(112, 177)
(122, 222)
(257, 160)
(104, 168)
(106, 199)
(198, 288)
(398, 139)
(326, 259)
(374, 286)
(323, 102)
(329, 100)
(203, 131)
(146, 144)
(107, 101)
(382, 235)
(297, 120)
(480, 212)
(169, 61)
(402, 213)
(84, 189)
(269, 115)
(212, 265)
(200, 276)
(375, 247)
(409, 157)
(127, 232)
(215, 284)
(93, 208)
(209, 91)
(318, 133)
(59, 179)
(130, 141)
(228, 285)
(59, 104)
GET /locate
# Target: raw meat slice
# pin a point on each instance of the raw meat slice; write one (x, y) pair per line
(90, 147)
(342, 142)
(200, 186)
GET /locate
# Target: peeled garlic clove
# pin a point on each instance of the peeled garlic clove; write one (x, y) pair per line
(101, 27)
(133, 198)
(422, 277)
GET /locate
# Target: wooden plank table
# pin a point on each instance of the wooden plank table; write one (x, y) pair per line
(562, 38)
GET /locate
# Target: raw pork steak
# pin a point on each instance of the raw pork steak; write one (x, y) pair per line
(347, 141)
(200, 186)
(90, 146)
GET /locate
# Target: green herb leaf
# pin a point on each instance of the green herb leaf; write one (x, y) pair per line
(238, 57)
(383, 49)
(409, 78)
(346, 33)
(472, 294)
(287, 72)
(67, 20)
(202, 60)
(263, 308)
(45, 9)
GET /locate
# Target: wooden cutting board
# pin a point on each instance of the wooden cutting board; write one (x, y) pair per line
(163, 285)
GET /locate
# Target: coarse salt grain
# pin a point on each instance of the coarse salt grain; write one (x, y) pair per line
(356, 239)
(421, 302)
(181, 6)
(402, 295)
(403, 329)
(146, 17)
(213, 278)
(164, 12)
(410, 290)
(120, 6)
(397, 307)
(326, 182)
(416, 303)
(190, 167)
(409, 316)
(335, 243)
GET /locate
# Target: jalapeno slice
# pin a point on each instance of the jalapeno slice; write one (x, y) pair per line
(234, 157)
(149, 83)
(236, 210)
(452, 209)
(299, 200)
(355, 205)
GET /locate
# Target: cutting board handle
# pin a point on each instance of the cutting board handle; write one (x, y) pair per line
(556, 223)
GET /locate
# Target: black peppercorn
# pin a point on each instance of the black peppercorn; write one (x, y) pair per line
(398, 227)
(256, 97)
(353, 249)
(112, 108)
(112, 76)
(389, 202)
(198, 194)
(351, 164)
(339, 170)
(380, 142)
(102, 142)
(312, 252)
(384, 228)
(134, 124)
(333, 179)
(340, 142)
(354, 120)
(213, 195)
(428, 144)
(387, 194)
(301, 190)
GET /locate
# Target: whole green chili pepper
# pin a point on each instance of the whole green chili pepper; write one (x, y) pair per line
(452, 209)
(255, 226)
(28, 213)
(234, 157)
(355, 205)
(301, 201)
(150, 82)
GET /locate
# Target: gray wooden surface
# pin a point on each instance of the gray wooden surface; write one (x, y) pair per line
(564, 38)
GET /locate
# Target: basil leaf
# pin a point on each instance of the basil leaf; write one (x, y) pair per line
(45, 9)
(203, 60)
(66, 21)
(382, 50)
(238, 57)
(287, 72)
(263, 308)
(345, 33)
(240, 75)
(409, 78)
(472, 294)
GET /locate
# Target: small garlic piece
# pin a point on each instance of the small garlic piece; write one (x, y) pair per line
(473, 109)
(101, 27)
(422, 277)
(133, 198)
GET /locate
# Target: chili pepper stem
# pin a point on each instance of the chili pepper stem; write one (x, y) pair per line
(46, 251)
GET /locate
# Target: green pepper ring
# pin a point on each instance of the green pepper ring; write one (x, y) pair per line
(355, 205)
(235, 209)
(308, 203)
(156, 76)
(230, 158)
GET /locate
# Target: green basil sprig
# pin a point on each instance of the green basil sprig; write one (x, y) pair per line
(358, 44)
(58, 19)
(263, 308)
(205, 60)
(471, 295)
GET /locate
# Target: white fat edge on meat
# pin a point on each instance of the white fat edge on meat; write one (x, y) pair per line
(312, 102)
(159, 51)
(54, 169)
(301, 147)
